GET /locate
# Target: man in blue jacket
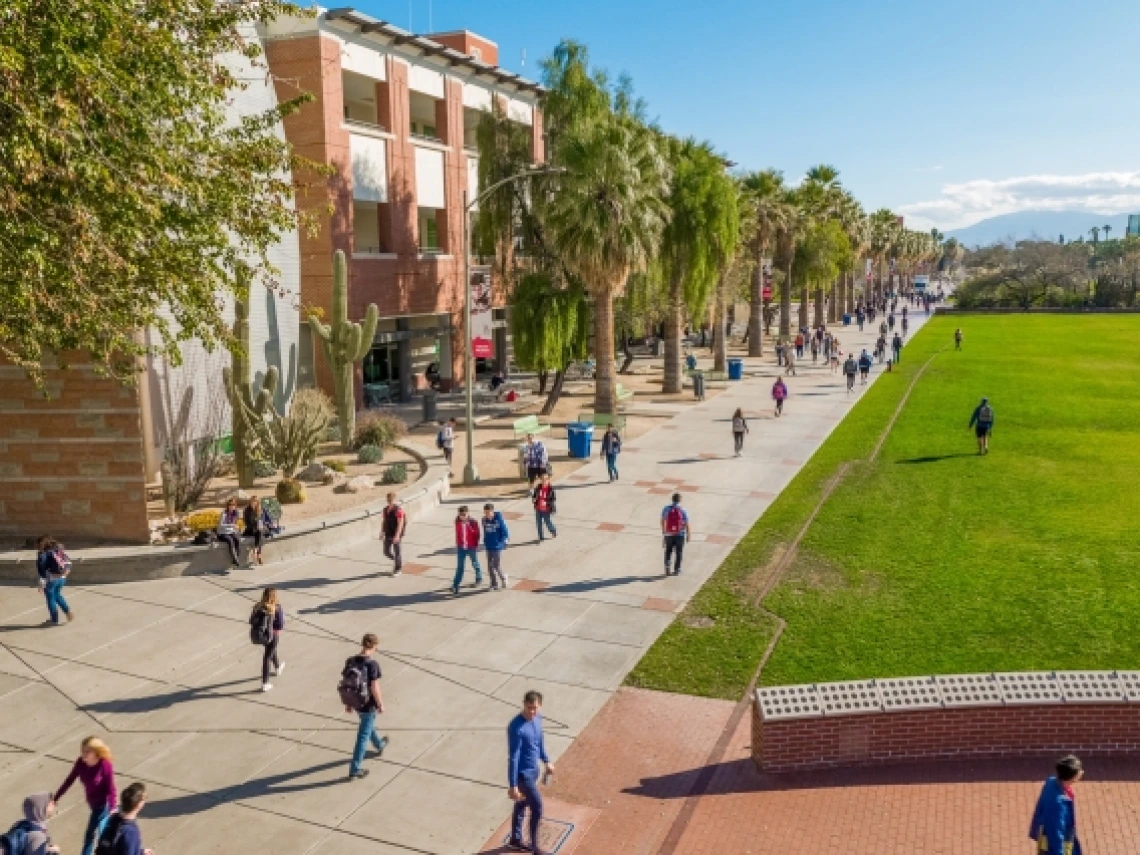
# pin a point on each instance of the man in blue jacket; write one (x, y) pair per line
(525, 750)
(982, 421)
(1054, 824)
(495, 539)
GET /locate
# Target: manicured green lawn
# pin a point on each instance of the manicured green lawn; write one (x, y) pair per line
(933, 560)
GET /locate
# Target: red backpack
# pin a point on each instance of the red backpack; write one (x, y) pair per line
(674, 520)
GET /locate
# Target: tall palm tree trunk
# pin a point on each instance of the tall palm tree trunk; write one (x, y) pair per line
(849, 278)
(720, 318)
(818, 316)
(786, 305)
(804, 305)
(604, 352)
(756, 309)
(673, 328)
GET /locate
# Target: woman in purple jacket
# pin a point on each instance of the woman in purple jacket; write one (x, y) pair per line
(95, 772)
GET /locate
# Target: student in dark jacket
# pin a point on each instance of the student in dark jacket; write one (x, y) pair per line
(1054, 823)
(32, 829)
(258, 525)
(543, 500)
(495, 539)
(269, 611)
(611, 448)
(122, 836)
(52, 577)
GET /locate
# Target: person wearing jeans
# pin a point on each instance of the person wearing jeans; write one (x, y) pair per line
(525, 750)
(543, 500)
(611, 448)
(496, 536)
(52, 579)
(393, 525)
(466, 546)
(366, 731)
(676, 531)
(93, 769)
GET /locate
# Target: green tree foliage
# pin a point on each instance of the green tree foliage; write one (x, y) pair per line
(551, 327)
(125, 189)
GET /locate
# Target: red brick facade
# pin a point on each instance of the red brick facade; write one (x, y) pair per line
(962, 733)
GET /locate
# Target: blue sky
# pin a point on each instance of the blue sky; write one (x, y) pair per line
(950, 112)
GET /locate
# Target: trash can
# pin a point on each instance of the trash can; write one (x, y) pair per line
(846, 320)
(522, 461)
(579, 435)
(736, 369)
(430, 402)
(699, 385)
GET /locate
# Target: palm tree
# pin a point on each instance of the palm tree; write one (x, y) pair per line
(1095, 232)
(855, 225)
(605, 220)
(766, 196)
(884, 230)
(787, 235)
(1107, 229)
(822, 188)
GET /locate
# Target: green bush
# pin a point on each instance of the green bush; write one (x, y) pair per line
(290, 491)
(370, 454)
(263, 469)
(379, 429)
(335, 465)
(272, 507)
(397, 473)
(332, 433)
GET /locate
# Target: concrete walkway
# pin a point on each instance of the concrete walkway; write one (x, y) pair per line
(164, 671)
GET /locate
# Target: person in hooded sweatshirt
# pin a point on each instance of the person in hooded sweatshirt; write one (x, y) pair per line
(32, 829)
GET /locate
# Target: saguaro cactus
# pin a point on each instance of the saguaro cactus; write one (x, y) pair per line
(244, 406)
(344, 343)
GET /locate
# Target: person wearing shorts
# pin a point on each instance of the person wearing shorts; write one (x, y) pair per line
(982, 421)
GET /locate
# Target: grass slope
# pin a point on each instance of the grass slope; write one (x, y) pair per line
(932, 560)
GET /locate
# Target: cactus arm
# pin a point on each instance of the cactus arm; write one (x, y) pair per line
(368, 332)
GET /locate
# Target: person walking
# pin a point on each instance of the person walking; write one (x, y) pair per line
(896, 346)
(982, 421)
(495, 540)
(611, 448)
(536, 458)
(779, 354)
(543, 499)
(359, 691)
(95, 771)
(958, 339)
(860, 316)
(800, 344)
(850, 369)
(445, 441)
(881, 349)
(29, 836)
(526, 748)
(790, 361)
(1054, 824)
(257, 525)
(52, 567)
(393, 522)
(227, 530)
(891, 320)
(676, 532)
(466, 546)
(739, 428)
(835, 354)
(122, 836)
(864, 366)
(779, 395)
(905, 325)
(265, 625)
(814, 349)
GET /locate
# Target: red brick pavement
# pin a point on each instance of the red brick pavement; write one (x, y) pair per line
(639, 759)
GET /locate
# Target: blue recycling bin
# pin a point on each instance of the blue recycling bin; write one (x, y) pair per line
(846, 320)
(579, 435)
(736, 369)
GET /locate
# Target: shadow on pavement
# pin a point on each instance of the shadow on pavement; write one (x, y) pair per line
(597, 584)
(166, 700)
(376, 601)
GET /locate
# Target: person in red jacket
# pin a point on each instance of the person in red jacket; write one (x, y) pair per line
(466, 546)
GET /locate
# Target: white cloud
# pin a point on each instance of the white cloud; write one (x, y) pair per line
(965, 204)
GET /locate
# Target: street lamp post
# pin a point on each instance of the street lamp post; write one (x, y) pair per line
(470, 471)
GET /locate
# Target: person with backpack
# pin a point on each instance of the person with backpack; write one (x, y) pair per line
(227, 530)
(779, 395)
(543, 499)
(850, 369)
(52, 567)
(258, 524)
(1054, 824)
(265, 625)
(739, 428)
(359, 690)
(611, 448)
(495, 540)
(95, 771)
(982, 421)
(466, 546)
(445, 441)
(526, 748)
(30, 836)
(865, 363)
(896, 346)
(393, 524)
(121, 836)
(676, 532)
(536, 459)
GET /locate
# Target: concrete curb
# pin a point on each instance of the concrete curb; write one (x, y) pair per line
(136, 563)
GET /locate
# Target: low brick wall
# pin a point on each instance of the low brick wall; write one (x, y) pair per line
(798, 732)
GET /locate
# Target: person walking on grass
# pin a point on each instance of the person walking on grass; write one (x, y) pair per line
(466, 546)
(1054, 824)
(30, 836)
(676, 531)
(896, 346)
(739, 428)
(526, 749)
(850, 369)
(611, 448)
(52, 567)
(958, 339)
(779, 395)
(359, 691)
(543, 499)
(265, 625)
(228, 532)
(121, 836)
(982, 421)
(495, 540)
(536, 459)
(95, 771)
(393, 521)
(864, 367)
(257, 525)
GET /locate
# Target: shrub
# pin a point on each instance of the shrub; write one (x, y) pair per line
(379, 429)
(335, 465)
(226, 466)
(203, 520)
(397, 473)
(332, 433)
(290, 491)
(263, 469)
(370, 454)
(273, 508)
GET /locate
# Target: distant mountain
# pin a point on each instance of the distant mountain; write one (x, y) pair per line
(1047, 225)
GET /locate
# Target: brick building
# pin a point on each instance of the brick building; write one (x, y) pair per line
(395, 116)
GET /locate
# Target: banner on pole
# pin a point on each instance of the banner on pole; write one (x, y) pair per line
(482, 342)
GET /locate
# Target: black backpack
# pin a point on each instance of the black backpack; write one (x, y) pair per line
(353, 687)
(15, 842)
(261, 627)
(109, 839)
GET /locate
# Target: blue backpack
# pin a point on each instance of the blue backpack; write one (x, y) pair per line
(15, 842)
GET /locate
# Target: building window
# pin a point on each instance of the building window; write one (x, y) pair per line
(423, 116)
(430, 220)
(381, 374)
(366, 237)
(360, 104)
